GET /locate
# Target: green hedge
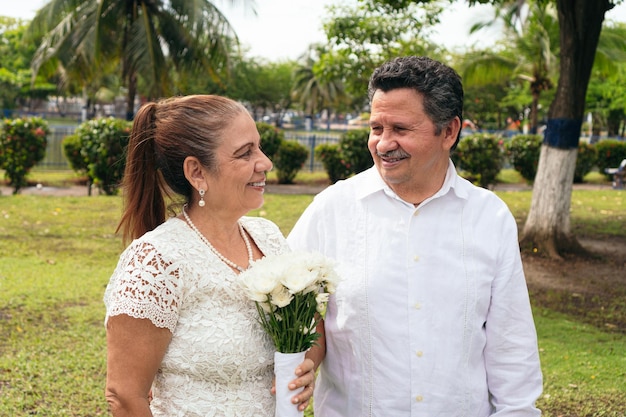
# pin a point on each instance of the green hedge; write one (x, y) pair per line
(289, 160)
(585, 161)
(354, 151)
(332, 161)
(98, 149)
(610, 153)
(271, 138)
(523, 152)
(349, 156)
(22, 145)
(481, 156)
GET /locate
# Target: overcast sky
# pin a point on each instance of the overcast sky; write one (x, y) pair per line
(283, 29)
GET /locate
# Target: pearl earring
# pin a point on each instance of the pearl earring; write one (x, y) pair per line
(201, 203)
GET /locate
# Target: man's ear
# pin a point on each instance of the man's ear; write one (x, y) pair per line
(451, 133)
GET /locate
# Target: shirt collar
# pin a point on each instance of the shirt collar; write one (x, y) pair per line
(371, 183)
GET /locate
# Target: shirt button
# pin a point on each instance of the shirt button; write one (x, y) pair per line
(418, 306)
(415, 213)
(416, 258)
(419, 398)
(419, 353)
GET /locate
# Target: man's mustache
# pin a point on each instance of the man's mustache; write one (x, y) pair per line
(395, 154)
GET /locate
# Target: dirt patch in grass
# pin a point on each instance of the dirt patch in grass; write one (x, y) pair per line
(592, 289)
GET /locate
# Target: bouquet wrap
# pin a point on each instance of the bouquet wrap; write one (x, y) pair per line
(285, 365)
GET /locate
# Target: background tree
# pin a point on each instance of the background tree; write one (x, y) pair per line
(485, 106)
(146, 38)
(15, 74)
(528, 52)
(606, 94)
(263, 86)
(312, 90)
(269, 88)
(362, 37)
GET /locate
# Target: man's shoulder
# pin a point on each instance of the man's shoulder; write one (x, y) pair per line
(352, 186)
(483, 202)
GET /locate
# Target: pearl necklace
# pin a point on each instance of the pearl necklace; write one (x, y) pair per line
(219, 255)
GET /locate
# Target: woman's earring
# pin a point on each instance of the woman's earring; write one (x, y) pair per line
(201, 203)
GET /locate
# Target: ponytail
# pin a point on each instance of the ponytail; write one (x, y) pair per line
(144, 203)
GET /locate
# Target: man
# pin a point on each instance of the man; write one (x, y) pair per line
(432, 317)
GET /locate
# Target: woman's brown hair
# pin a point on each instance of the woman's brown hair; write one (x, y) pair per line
(164, 133)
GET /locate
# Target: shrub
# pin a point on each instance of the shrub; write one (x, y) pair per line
(330, 156)
(271, 138)
(103, 147)
(22, 145)
(349, 156)
(289, 159)
(72, 151)
(610, 153)
(354, 151)
(523, 153)
(481, 156)
(585, 161)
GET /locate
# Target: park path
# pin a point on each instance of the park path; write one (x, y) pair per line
(82, 191)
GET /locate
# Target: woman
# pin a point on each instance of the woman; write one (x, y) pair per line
(182, 340)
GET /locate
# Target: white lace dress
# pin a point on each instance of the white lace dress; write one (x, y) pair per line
(220, 361)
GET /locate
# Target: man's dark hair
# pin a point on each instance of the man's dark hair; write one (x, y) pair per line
(439, 84)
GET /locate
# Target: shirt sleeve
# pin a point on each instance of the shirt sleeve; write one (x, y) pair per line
(145, 286)
(511, 353)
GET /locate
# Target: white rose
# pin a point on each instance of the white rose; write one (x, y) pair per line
(297, 280)
(281, 297)
(261, 279)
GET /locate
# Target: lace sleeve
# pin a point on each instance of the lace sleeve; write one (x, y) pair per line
(145, 286)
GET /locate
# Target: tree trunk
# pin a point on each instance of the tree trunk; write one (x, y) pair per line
(130, 97)
(534, 109)
(547, 228)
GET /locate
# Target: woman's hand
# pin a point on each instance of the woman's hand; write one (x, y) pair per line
(305, 378)
(305, 373)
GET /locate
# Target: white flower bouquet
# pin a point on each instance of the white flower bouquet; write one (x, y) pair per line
(290, 292)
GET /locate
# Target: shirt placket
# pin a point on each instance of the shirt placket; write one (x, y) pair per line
(416, 311)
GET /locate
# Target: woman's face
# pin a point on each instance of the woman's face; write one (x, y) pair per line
(239, 183)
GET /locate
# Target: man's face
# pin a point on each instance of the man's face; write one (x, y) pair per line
(411, 159)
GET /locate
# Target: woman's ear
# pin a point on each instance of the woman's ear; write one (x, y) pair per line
(194, 172)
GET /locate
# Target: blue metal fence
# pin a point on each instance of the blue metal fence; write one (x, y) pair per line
(311, 140)
(55, 159)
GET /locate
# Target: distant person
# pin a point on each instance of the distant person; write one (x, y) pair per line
(432, 317)
(182, 338)
(512, 127)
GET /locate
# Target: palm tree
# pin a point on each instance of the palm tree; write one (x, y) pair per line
(530, 52)
(146, 38)
(606, 94)
(314, 91)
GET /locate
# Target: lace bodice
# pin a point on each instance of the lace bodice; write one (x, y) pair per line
(220, 361)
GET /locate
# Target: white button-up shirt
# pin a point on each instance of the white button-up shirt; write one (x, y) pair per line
(432, 317)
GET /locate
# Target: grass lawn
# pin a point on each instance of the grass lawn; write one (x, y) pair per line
(57, 254)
